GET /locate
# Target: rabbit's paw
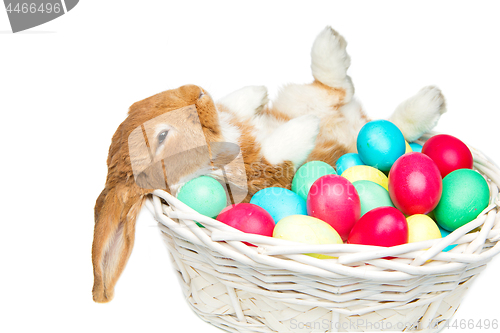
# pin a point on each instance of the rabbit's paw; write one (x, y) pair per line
(329, 58)
(246, 102)
(420, 113)
(292, 141)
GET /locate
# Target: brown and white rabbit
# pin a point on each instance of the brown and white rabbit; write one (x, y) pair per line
(316, 121)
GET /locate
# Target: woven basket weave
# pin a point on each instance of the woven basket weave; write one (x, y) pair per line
(275, 288)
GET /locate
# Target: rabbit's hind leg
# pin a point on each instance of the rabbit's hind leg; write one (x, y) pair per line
(330, 61)
(332, 87)
(419, 113)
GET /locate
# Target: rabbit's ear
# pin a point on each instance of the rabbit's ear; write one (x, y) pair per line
(116, 211)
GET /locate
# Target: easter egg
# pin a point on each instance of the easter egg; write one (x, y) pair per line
(407, 147)
(365, 172)
(415, 184)
(380, 143)
(334, 199)
(445, 233)
(383, 226)
(248, 218)
(307, 174)
(415, 147)
(307, 229)
(346, 161)
(449, 153)
(371, 195)
(279, 202)
(421, 228)
(204, 194)
(465, 195)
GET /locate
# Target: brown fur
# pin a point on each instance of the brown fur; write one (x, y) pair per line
(119, 203)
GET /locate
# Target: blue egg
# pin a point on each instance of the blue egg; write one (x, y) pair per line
(380, 143)
(346, 161)
(445, 233)
(415, 147)
(280, 202)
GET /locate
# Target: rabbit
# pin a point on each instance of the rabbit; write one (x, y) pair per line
(176, 135)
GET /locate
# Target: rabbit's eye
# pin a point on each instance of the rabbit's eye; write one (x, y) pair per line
(162, 136)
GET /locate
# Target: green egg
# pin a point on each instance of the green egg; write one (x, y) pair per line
(307, 174)
(372, 195)
(465, 195)
(205, 195)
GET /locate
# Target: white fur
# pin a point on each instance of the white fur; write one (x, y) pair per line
(419, 113)
(346, 131)
(230, 132)
(330, 61)
(265, 126)
(292, 141)
(246, 102)
(299, 99)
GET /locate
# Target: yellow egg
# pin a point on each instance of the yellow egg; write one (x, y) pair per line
(365, 172)
(307, 229)
(408, 148)
(422, 227)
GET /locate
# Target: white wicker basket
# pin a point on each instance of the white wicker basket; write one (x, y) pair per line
(275, 288)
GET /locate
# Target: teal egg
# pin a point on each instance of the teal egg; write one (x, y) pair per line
(465, 195)
(307, 174)
(372, 195)
(445, 233)
(279, 202)
(205, 195)
(346, 161)
(380, 143)
(415, 147)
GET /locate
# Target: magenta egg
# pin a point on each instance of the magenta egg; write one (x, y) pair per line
(415, 184)
(334, 199)
(449, 153)
(382, 226)
(248, 218)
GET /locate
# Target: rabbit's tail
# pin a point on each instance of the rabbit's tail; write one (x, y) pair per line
(116, 211)
(330, 61)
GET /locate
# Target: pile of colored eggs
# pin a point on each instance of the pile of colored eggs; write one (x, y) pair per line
(384, 195)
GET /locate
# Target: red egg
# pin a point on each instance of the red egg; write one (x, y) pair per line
(415, 184)
(248, 218)
(334, 199)
(382, 226)
(449, 153)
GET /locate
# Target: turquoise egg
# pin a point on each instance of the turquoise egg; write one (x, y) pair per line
(307, 174)
(346, 161)
(279, 202)
(445, 233)
(380, 143)
(415, 147)
(205, 195)
(372, 195)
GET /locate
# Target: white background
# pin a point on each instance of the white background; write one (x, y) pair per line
(65, 86)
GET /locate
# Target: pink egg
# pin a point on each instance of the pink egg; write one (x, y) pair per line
(382, 226)
(334, 199)
(248, 218)
(449, 153)
(415, 184)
